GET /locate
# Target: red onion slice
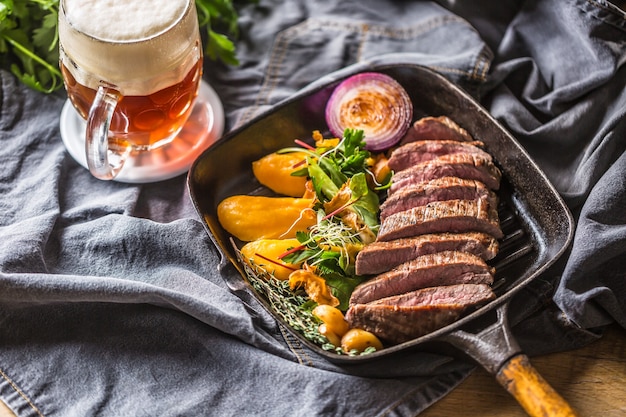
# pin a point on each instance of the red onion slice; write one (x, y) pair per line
(374, 103)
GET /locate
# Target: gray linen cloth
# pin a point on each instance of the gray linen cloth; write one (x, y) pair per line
(110, 301)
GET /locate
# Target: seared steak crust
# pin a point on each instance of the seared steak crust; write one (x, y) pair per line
(407, 316)
(457, 216)
(431, 270)
(461, 165)
(439, 189)
(413, 153)
(429, 128)
(379, 257)
(439, 225)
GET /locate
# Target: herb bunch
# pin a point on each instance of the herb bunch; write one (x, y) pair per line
(347, 213)
(29, 42)
(29, 38)
(291, 306)
(338, 172)
(218, 19)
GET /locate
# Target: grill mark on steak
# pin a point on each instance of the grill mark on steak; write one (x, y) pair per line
(378, 257)
(430, 270)
(439, 189)
(455, 216)
(413, 153)
(461, 165)
(442, 127)
(401, 318)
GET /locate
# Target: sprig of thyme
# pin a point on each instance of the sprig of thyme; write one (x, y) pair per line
(294, 308)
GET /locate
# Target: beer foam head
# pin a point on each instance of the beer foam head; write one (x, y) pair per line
(123, 20)
(139, 46)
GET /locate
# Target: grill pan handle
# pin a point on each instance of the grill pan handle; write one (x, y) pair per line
(530, 390)
(496, 350)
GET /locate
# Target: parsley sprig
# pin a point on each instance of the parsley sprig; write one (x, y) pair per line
(218, 19)
(29, 38)
(29, 42)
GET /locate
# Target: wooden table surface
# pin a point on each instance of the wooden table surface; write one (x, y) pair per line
(592, 379)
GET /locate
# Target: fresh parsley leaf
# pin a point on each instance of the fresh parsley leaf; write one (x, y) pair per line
(29, 38)
(28, 42)
(350, 155)
(216, 16)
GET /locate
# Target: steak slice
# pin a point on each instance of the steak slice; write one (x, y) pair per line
(442, 127)
(378, 257)
(456, 216)
(430, 270)
(461, 165)
(413, 153)
(411, 315)
(439, 189)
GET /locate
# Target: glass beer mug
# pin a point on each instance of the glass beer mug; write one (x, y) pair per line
(132, 70)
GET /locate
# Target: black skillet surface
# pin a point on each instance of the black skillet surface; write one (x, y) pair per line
(536, 222)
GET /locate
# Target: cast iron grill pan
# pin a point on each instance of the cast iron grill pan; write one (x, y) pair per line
(537, 225)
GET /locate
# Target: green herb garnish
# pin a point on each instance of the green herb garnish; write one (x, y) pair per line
(293, 307)
(347, 213)
(29, 42)
(330, 246)
(218, 19)
(29, 38)
(347, 218)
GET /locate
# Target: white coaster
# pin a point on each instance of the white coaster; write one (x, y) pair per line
(204, 126)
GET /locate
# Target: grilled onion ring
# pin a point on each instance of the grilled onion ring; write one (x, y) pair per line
(374, 103)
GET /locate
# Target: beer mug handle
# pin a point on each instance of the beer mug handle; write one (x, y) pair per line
(103, 162)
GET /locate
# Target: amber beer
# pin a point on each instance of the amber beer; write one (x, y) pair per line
(143, 122)
(132, 70)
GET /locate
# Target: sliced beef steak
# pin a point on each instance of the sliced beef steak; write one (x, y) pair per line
(461, 165)
(439, 189)
(431, 270)
(401, 318)
(456, 216)
(379, 257)
(429, 128)
(414, 153)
